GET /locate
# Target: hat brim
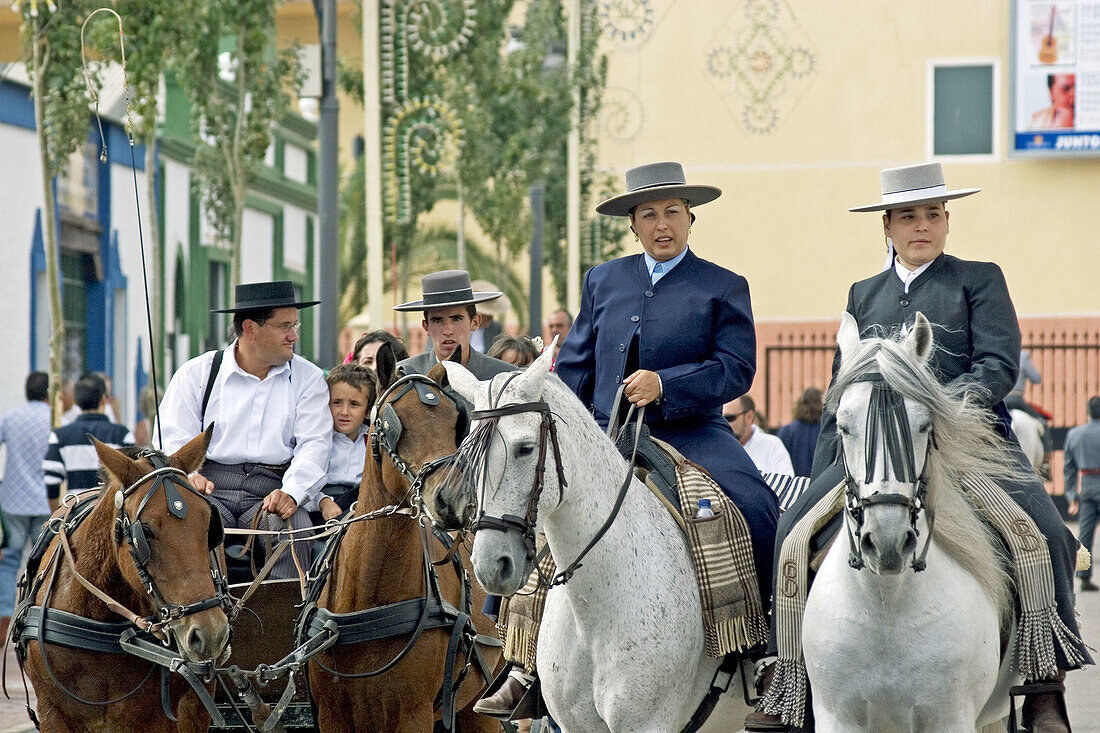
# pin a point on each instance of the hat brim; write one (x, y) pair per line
(622, 204)
(904, 204)
(265, 306)
(418, 305)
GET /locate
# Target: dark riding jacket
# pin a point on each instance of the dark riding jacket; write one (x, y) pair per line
(973, 321)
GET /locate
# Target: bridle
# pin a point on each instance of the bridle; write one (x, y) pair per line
(133, 533)
(386, 431)
(548, 436)
(888, 423)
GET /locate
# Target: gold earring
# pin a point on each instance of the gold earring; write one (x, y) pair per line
(636, 237)
(689, 228)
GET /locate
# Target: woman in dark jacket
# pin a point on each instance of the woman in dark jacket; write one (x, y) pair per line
(978, 337)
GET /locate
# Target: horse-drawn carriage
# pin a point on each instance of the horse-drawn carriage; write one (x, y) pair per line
(383, 632)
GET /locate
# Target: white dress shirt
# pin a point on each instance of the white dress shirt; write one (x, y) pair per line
(768, 453)
(283, 417)
(908, 276)
(346, 461)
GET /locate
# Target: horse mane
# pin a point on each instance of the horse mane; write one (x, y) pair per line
(966, 444)
(583, 436)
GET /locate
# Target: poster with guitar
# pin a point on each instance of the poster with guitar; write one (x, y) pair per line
(1056, 77)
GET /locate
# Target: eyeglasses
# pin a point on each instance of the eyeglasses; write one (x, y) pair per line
(733, 416)
(296, 327)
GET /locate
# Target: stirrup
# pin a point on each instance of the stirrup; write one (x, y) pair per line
(1036, 688)
(531, 705)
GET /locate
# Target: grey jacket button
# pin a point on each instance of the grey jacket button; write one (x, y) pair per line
(634, 318)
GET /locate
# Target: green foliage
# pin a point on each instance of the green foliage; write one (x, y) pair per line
(232, 120)
(515, 111)
(51, 47)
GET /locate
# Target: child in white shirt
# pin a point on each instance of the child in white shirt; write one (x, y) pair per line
(352, 390)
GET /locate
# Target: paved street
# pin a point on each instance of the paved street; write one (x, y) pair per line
(1083, 688)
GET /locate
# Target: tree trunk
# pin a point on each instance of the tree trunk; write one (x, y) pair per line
(156, 353)
(237, 234)
(53, 287)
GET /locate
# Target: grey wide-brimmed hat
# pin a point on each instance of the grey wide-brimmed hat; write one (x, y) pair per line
(446, 289)
(911, 185)
(260, 296)
(653, 182)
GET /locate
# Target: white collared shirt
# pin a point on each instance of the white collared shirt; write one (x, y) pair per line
(346, 458)
(768, 453)
(283, 417)
(908, 276)
(666, 267)
(345, 462)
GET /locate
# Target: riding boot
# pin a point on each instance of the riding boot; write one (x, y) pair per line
(758, 720)
(503, 702)
(1044, 710)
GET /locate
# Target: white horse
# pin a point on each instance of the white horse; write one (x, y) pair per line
(1029, 430)
(621, 645)
(888, 648)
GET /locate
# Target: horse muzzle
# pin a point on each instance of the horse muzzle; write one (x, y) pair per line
(888, 539)
(203, 636)
(500, 561)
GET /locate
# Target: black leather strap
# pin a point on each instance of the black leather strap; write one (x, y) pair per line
(215, 367)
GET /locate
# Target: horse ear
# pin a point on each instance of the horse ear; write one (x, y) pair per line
(385, 365)
(847, 338)
(536, 373)
(461, 379)
(117, 463)
(438, 374)
(919, 340)
(191, 456)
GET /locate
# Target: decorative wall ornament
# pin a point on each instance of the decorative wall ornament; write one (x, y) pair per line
(621, 113)
(418, 131)
(761, 62)
(627, 22)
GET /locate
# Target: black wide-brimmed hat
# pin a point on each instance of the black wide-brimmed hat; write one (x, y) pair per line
(447, 289)
(654, 182)
(261, 296)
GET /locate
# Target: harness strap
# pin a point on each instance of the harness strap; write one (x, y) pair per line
(563, 577)
(215, 366)
(449, 689)
(142, 623)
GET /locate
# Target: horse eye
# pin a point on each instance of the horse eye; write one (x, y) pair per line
(525, 449)
(925, 427)
(843, 430)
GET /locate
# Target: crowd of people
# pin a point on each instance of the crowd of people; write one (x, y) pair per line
(662, 329)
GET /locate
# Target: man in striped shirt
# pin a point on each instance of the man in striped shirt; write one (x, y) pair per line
(71, 457)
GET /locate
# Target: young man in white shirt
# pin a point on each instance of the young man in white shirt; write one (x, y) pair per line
(269, 407)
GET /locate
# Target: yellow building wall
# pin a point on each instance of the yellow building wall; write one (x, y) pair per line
(783, 220)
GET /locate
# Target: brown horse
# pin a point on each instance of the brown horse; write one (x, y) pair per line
(380, 562)
(178, 565)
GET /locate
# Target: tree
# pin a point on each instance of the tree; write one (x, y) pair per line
(516, 110)
(155, 34)
(51, 50)
(237, 84)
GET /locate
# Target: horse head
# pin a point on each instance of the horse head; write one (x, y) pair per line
(885, 442)
(165, 534)
(416, 426)
(513, 447)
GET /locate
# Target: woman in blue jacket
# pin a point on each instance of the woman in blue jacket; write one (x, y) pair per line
(678, 332)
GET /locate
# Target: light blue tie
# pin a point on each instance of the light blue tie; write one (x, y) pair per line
(658, 272)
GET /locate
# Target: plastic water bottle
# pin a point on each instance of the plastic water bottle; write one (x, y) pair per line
(704, 509)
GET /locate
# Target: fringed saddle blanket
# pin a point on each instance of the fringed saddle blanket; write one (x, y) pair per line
(721, 551)
(1040, 628)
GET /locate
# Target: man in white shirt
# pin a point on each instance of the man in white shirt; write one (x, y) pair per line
(766, 451)
(269, 407)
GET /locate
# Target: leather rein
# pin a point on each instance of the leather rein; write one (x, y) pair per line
(548, 436)
(886, 417)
